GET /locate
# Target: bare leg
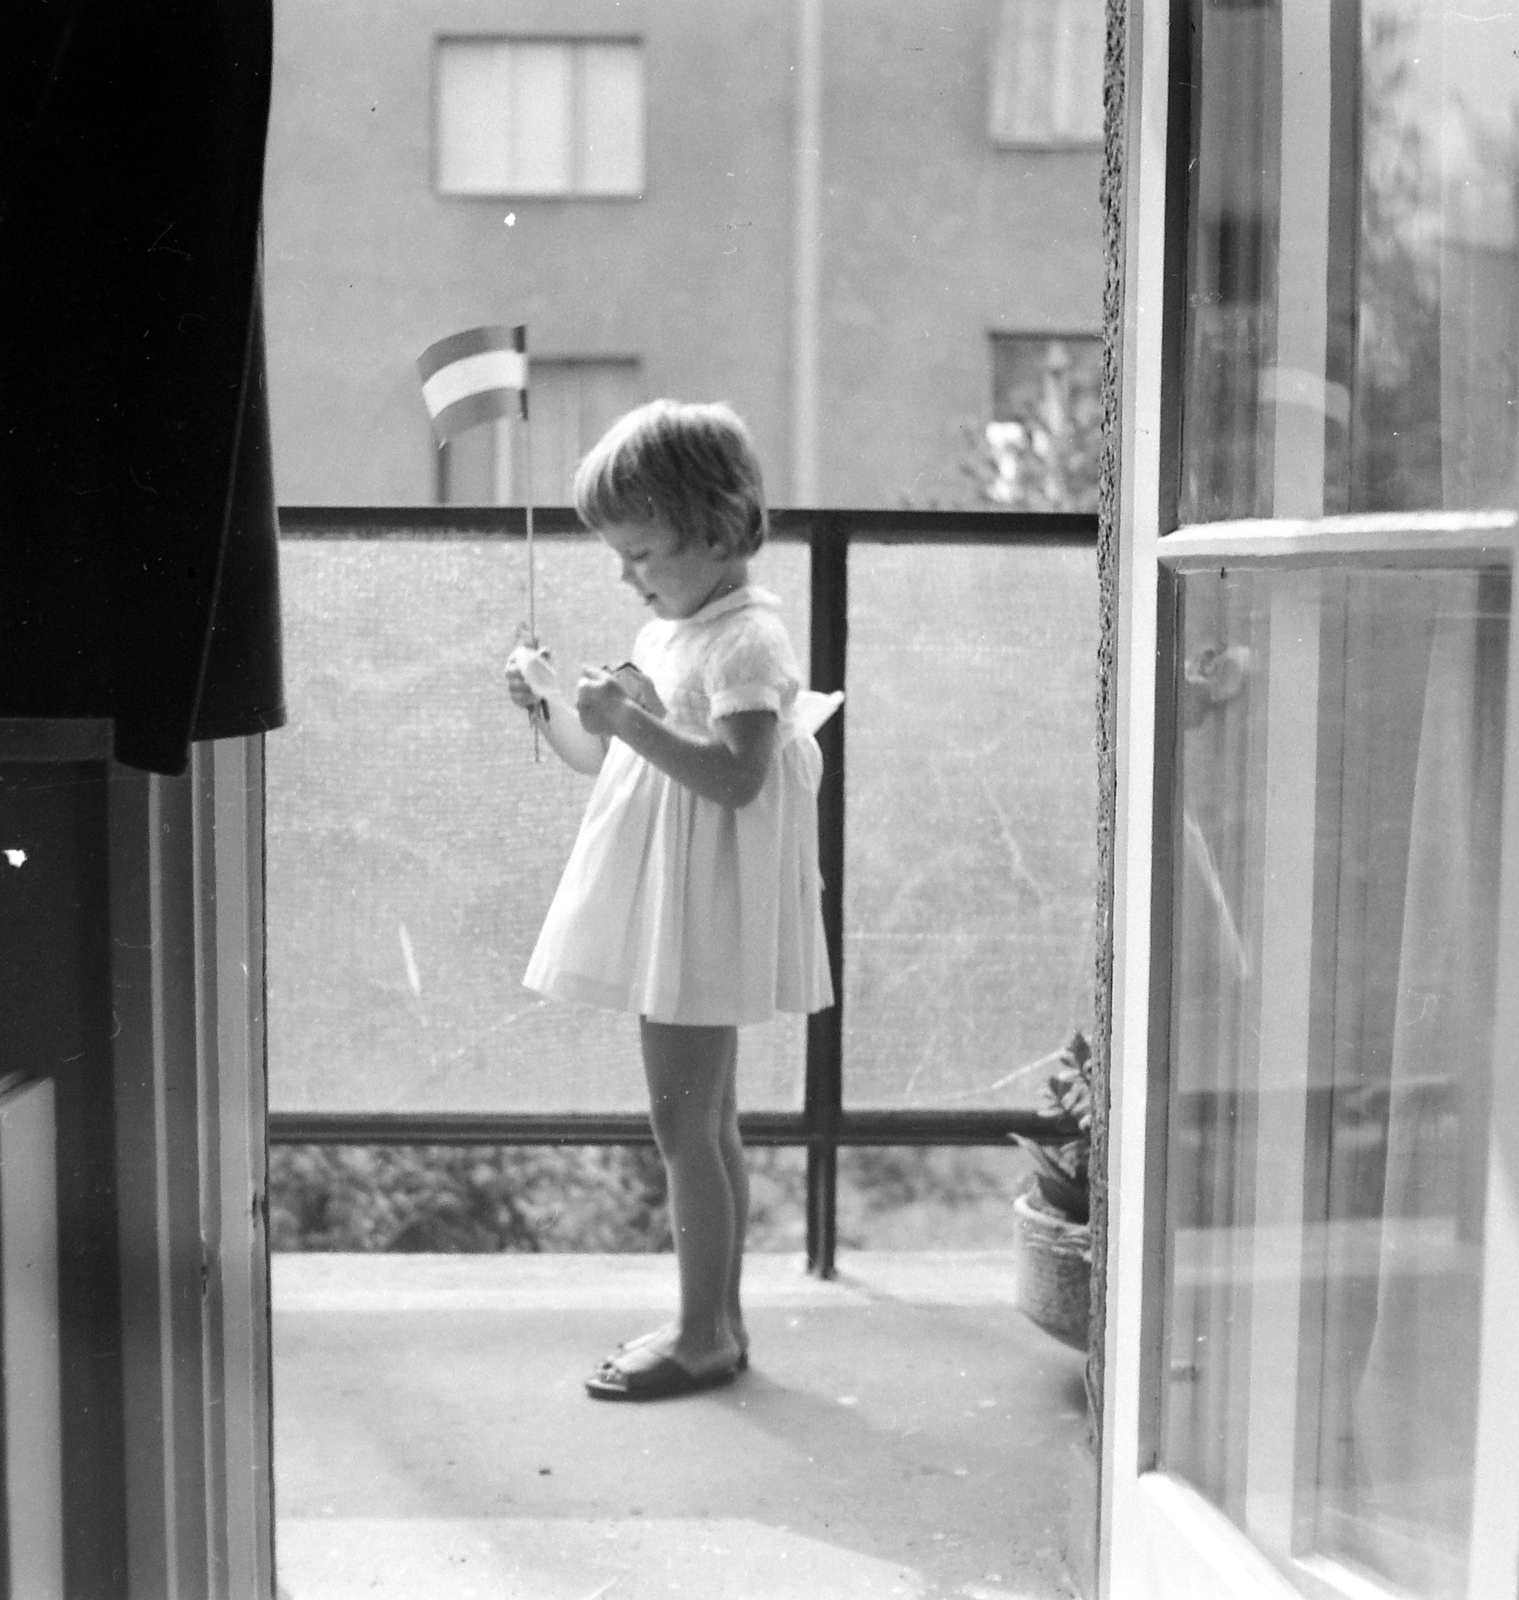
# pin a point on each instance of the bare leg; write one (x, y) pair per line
(738, 1183)
(690, 1072)
(737, 1170)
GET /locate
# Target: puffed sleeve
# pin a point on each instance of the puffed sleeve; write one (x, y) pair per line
(752, 668)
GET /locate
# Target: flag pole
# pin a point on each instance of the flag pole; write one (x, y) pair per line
(527, 496)
(467, 378)
(527, 501)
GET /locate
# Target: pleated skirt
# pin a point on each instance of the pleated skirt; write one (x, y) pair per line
(682, 910)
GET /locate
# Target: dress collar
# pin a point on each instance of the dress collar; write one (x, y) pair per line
(747, 594)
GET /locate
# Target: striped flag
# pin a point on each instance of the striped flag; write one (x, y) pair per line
(473, 376)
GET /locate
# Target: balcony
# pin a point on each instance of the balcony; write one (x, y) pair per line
(904, 1431)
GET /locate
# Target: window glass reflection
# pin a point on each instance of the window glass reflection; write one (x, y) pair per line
(1333, 983)
(1231, 266)
(1352, 289)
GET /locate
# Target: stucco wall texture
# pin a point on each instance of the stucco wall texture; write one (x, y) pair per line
(1108, 567)
(929, 237)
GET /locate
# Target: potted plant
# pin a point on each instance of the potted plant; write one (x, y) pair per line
(1054, 1213)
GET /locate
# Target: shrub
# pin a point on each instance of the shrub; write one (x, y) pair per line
(466, 1198)
(440, 1198)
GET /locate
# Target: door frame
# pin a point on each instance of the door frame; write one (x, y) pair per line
(1158, 1537)
(187, 927)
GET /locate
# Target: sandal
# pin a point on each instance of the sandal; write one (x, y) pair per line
(741, 1363)
(663, 1381)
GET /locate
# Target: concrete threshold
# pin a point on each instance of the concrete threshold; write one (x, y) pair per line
(903, 1431)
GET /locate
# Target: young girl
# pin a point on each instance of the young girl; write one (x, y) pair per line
(691, 896)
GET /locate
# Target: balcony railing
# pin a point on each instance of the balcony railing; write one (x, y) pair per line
(825, 1121)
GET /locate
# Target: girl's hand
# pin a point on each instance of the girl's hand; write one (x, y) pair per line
(600, 701)
(518, 688)
(530, 678)
(639, 688)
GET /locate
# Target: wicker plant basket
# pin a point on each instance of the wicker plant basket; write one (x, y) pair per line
(1054, 1271)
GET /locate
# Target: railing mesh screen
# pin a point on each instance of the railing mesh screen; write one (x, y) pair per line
(970, 819)
(413, 845)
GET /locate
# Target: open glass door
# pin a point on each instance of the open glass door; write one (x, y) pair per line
(1314, 1257)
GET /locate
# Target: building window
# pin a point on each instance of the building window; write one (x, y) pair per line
(1045, 435)
(572, 403)
(1046, 84)
(540, 116)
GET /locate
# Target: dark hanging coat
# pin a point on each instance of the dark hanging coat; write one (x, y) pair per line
(138, 554)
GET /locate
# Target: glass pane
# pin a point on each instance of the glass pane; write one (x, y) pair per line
(1231, 290)
(1334, 931)
(413, 844)
(1438, 291)
(540, 113)
(1046, 86)
(1352, 337)
(971, 806)
(611, 119)
(474, 128)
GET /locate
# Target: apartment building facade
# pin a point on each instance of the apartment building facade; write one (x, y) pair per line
(860, 224)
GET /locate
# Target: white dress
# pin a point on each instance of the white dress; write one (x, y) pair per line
(676, 907)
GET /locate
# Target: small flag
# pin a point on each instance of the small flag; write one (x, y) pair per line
(473, 376)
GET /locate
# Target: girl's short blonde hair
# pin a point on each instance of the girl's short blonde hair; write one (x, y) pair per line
(693, 466)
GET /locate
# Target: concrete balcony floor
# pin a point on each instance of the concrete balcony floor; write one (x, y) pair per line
(903, 1432)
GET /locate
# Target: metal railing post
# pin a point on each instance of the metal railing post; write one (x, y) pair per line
(829, 543)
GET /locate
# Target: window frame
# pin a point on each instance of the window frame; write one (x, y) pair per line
(158, 1466)
(575, 45)
(187, 925)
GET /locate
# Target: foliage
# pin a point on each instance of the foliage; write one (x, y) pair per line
(610, 1198)
(1062, 1170)
(467, 1198)
(1398, 369)
(1045, 456)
